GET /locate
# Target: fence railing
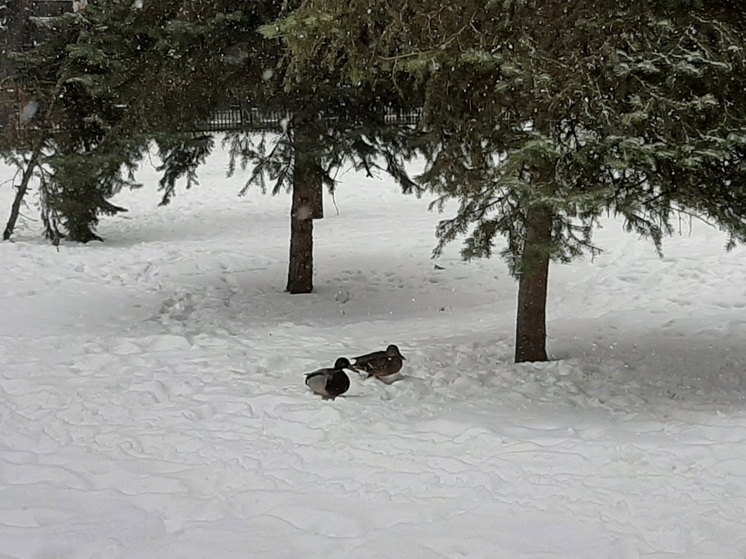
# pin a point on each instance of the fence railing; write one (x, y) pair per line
(15, 117)
(240, 117)
(251, 119)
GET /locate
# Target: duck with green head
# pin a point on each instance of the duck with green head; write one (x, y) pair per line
(330, 382)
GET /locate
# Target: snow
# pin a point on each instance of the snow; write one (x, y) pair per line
(29, 110)
(152, 401)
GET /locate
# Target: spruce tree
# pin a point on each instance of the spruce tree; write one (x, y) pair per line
(543, 115)
(173, 64)
(64, 125)
(87, 132)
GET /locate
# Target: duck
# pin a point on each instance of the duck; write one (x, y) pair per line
(330, 382)
(379, 364)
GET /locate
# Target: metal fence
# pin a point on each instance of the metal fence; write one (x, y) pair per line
(240, 117)
(244, 117)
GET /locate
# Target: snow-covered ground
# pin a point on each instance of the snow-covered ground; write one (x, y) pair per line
(152, 402)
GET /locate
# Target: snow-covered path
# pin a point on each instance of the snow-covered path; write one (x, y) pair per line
(152, 402)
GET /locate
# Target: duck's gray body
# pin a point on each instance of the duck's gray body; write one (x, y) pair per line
(330, 382)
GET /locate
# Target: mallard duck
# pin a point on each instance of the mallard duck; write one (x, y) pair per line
(380, 363)
(330, 382)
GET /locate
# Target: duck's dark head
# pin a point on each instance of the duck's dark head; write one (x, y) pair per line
(393, 351)
(342, 363)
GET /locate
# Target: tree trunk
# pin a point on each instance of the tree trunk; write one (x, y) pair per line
(531, 322)
(15, 210)
(306, 148)
(307, 205)
(305, 185)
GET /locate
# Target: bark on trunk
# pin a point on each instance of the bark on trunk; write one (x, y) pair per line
(318, 193)
(306, 148)
(15, 210)
(531, 322)
(305, 185)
